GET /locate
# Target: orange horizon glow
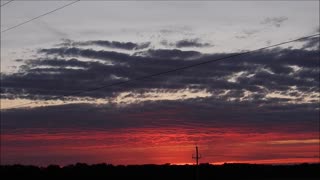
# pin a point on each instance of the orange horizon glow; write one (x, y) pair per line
(158, 146)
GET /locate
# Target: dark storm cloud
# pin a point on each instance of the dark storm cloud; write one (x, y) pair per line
(191, 43)
(275, 21)
(200, 112)
(109, 44)
(271, 69)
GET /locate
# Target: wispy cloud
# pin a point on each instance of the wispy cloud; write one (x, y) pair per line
(186, 43)
(274, 21)
(105, 43)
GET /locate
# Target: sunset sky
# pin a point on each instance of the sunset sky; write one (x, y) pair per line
(258, 108)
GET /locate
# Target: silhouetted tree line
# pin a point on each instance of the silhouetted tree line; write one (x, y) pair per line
(167, 171)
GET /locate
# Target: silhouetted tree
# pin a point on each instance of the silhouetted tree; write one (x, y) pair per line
(160, 172)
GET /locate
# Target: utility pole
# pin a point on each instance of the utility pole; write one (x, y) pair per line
(197, 157)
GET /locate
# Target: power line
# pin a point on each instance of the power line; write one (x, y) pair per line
(6, 3)
(25, 22)
(172, 70)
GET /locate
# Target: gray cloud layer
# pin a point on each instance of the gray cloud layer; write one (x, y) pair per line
(109, 44)
(274, 65)
(288, 72)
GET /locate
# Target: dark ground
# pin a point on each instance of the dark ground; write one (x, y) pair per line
(155, 172)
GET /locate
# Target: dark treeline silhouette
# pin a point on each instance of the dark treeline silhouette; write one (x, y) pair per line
(157, 172)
